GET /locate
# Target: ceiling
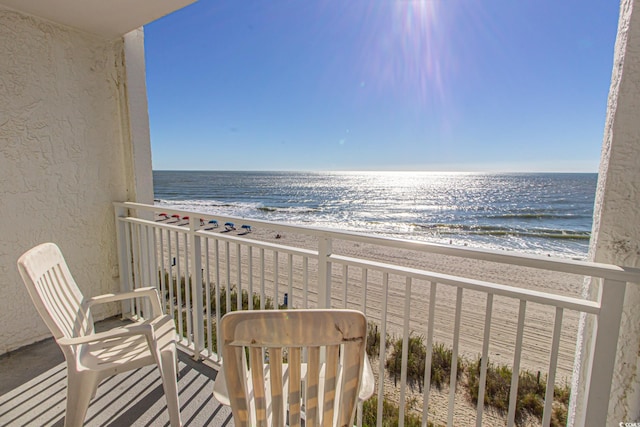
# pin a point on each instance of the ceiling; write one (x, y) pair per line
(107, 18)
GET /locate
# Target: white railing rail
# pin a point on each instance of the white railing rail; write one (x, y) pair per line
(211, 262)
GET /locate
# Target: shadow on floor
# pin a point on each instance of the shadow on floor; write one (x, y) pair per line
(33, 392)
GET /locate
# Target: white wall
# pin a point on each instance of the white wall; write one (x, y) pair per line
(66, 153)
(616, 228)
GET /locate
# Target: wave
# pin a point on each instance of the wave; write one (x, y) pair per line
(196, 203)
(210, 206)
(534, 215)
(488, 230)
(292, 209)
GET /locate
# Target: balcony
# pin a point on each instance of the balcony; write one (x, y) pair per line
(33, 391)
(489, 309)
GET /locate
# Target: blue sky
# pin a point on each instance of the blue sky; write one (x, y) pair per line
(492, 85)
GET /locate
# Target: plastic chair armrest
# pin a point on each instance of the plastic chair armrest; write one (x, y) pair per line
(125, 331)
(149, 292)
(368, 381)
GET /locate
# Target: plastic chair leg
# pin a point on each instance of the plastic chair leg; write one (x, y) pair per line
(77, 397)
(170, 385)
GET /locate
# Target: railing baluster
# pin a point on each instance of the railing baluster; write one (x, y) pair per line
(239, 276)
(153, 250)
(144, 257)
(132, 268)
(290, 290)
(146, 277)
(405, 350)
(137, 267)
(122, 241)
(345, 280)
(196, 289)
(250, 266)
(324, 272)
(305, 280)
(485, 359)
(149, 249)
(276, 301)
(161, 272)
(262, 279)
(553, 363)
(363, 305)
(207, 266)
(454, 358)
(428, 361)
(363, 294)
(179, 288)
(383, 346)
(228, 274)
(171, 287)
(216, 254)
(363, 308)
(515, 371)
(188, 280)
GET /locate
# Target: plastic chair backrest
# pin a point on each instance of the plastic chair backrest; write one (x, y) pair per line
(259, 396)
(54, 292)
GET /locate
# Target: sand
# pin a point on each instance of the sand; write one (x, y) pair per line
(538, 325)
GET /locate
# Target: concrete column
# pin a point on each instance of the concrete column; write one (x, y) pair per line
(616, 227)
(140, 177)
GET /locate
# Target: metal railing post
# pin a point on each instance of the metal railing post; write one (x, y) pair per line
(196, 288)
(324, 272)
(603, 353)
(124, 258)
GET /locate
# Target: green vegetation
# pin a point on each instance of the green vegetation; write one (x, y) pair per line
(441, 358)
(222, 302)
(373, 340)
(530, 397)
(531, 387)
(390, 414)
(416, 357)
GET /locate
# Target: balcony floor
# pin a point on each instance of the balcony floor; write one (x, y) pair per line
(33, 392)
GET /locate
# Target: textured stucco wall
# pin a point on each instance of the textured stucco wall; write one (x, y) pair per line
(616, 228)
(64, 153)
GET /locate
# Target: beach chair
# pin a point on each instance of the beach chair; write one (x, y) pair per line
(246, 228)
(212, 224)
(266, 391)
(229, 226)
(93, 356)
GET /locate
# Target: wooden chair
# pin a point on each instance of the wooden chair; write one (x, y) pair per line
(92, 357)
(267, 391)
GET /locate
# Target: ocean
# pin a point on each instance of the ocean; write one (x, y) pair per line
(542, 213)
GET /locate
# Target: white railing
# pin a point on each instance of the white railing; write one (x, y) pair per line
(323, 270)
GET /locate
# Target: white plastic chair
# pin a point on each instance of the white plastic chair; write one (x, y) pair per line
(265, 392)
(92, 357)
